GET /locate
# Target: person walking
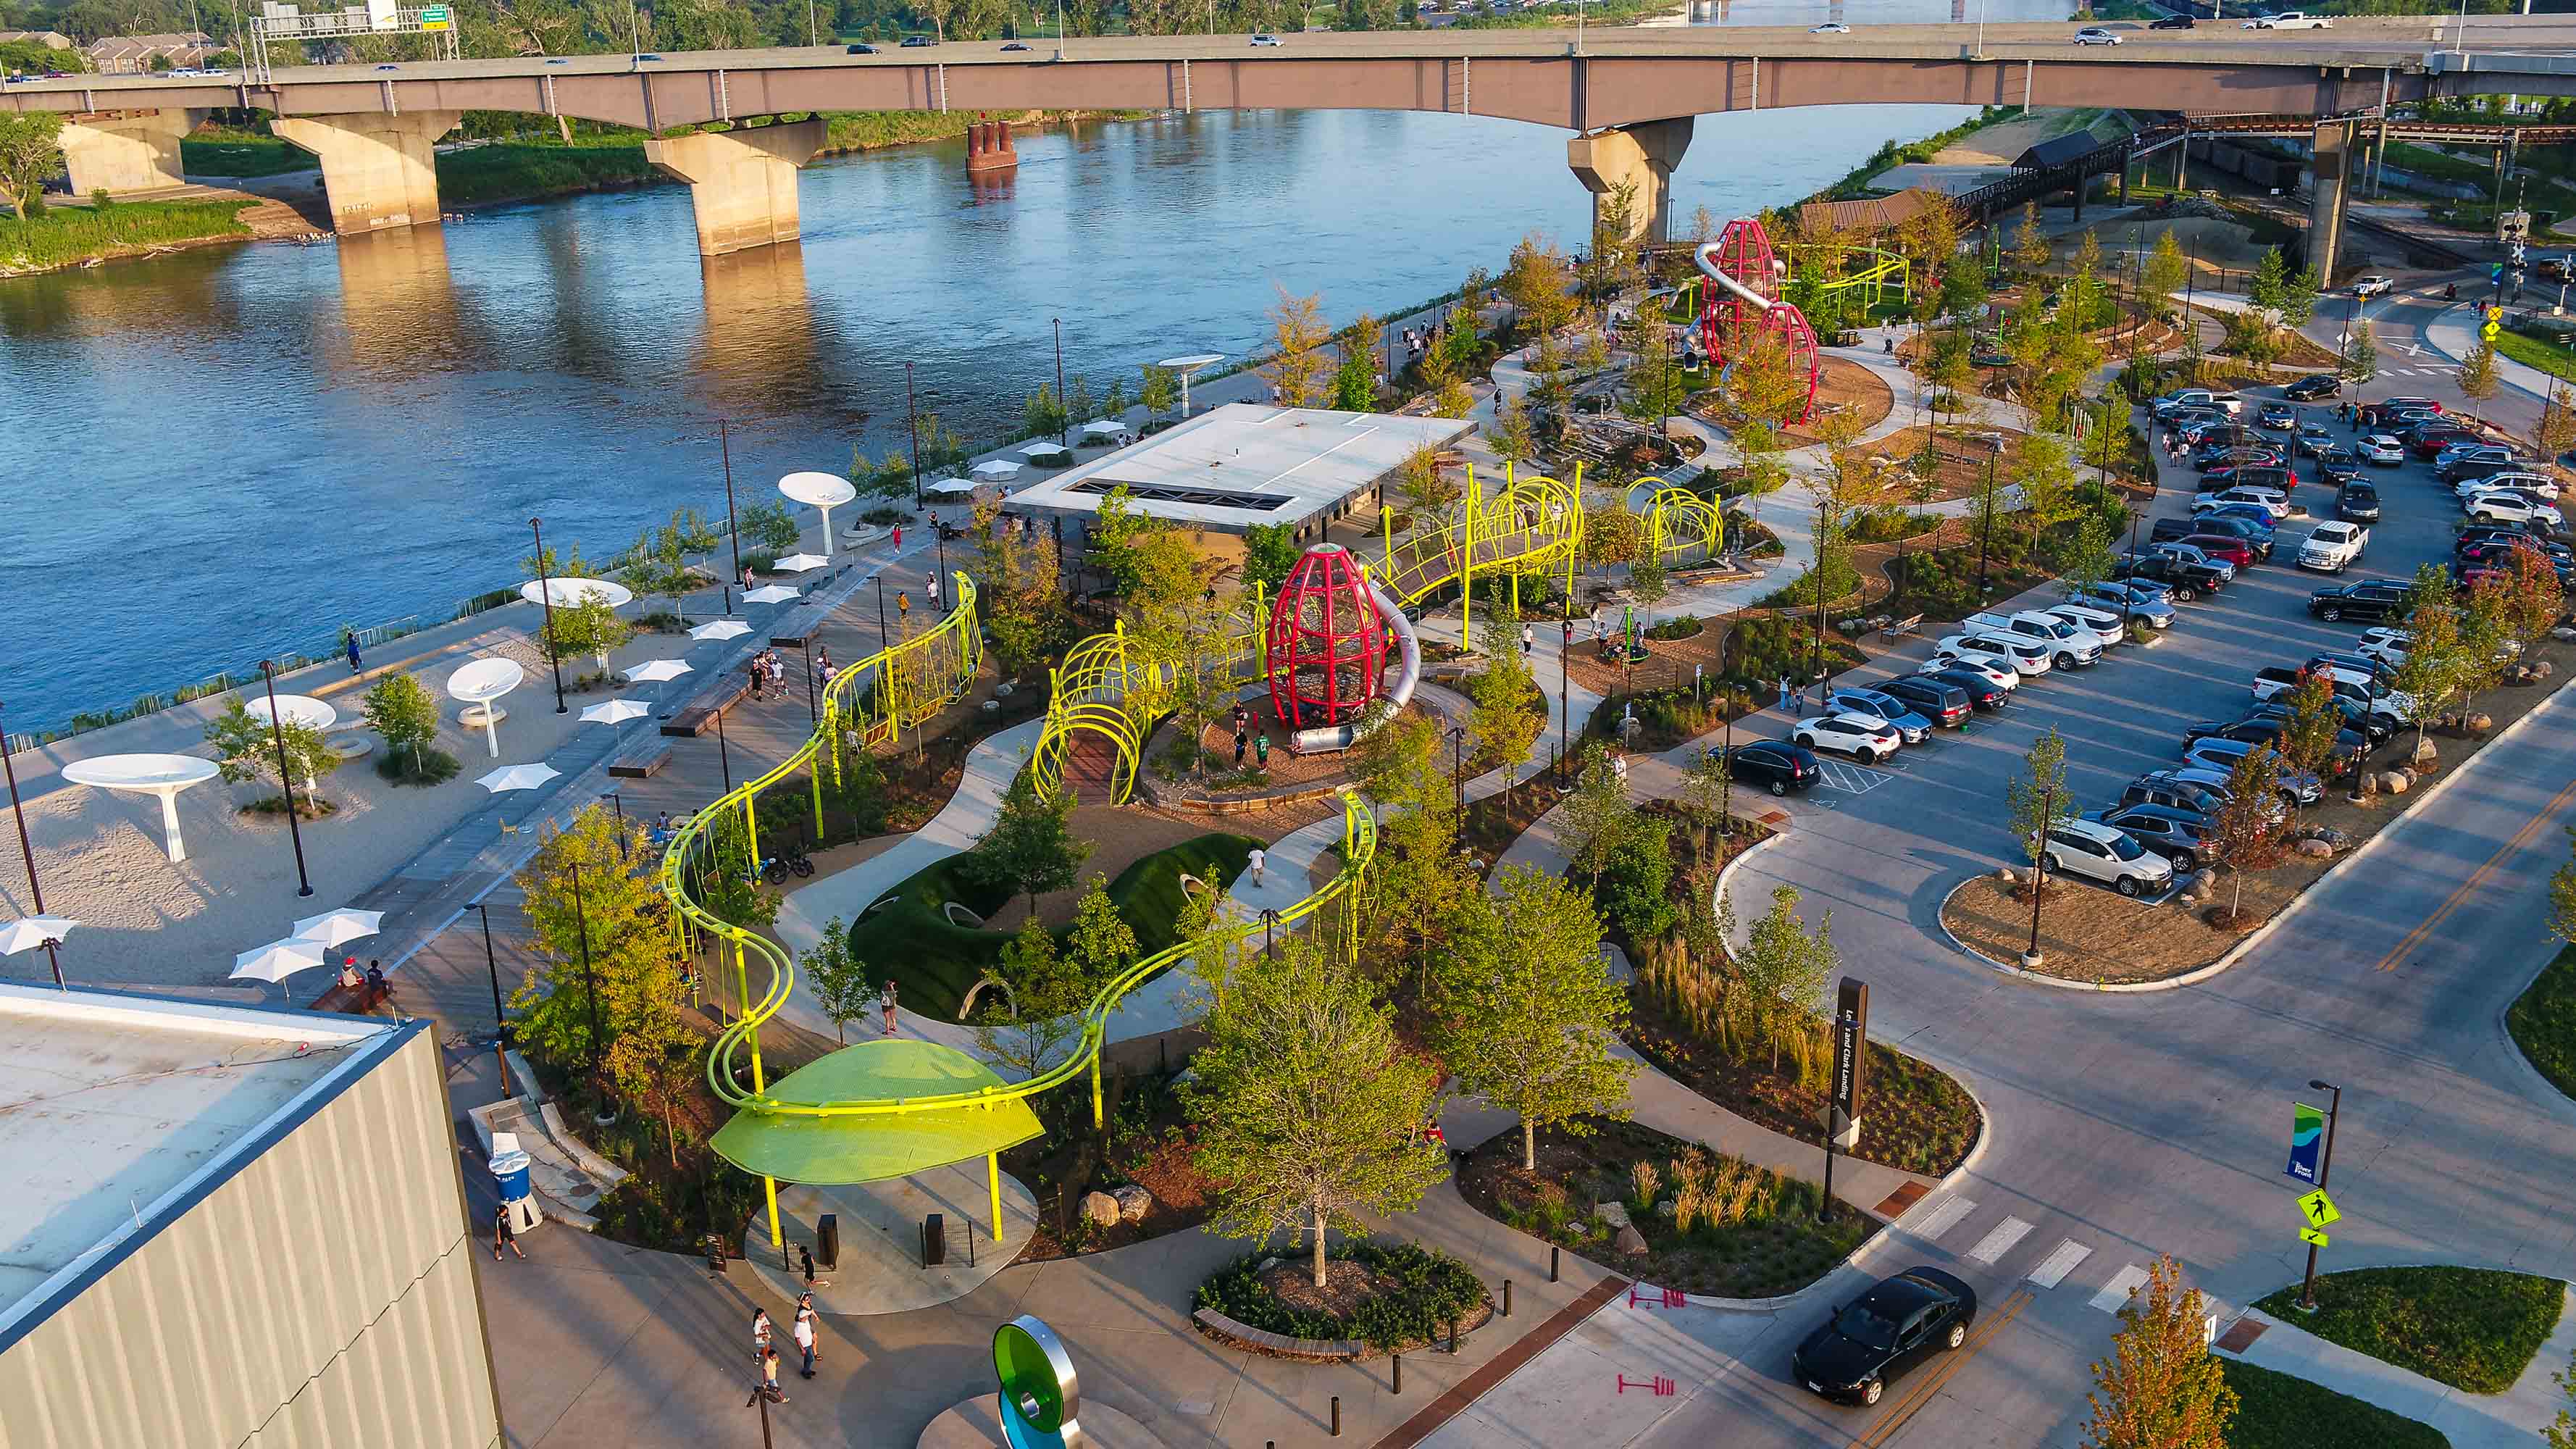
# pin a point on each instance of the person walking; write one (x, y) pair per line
(1784, 691)
(931, 590)
(350, 638)
(885, 1003)
(1258, 862)
(804, 1332)
(769, 1376)
(1528, 641)
(504, 1235)
(759, 1333)
(1242, 742)
(898, 538)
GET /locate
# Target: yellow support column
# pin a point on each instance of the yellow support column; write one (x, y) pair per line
(1097, 1121)
(1467, 566)
(993, 1179)
(759, 1085)
(818, 806)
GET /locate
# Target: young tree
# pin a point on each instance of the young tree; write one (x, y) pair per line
(2529, 601)
(1270, 550)
(842, 984)
(654, 1065)
(401, 709)
(2039, 797)
(1031, 848)
(2245, 837)
(1598, 815)
(1526, 1013)
(1355, 382)
(2478, 380)
(597, 928)
(657, 564)
(1508, 713)
(2560, 1433)
(586, 626)
(246, 747)
(1785, 968)
(30, 151)
(1160, 392)
(1539, 285)
(1649, 581)
(1042, 998)
(2161, 1388)
(767, 525)
(1511, 437)
(1309, 1110)
(1707, 796)
(1450, 395)
(2030, 245)
(2437, 666)
(1297, 366)
(2360, 360)
(2166, 270)
(1100, 943)
(2047, 478)
(2315, 720)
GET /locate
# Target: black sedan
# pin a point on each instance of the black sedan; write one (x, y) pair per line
(2170, 22)
(1878, 1337)
(1983, 693)
(1775, 765)
(2314, 386)
(2358, 502)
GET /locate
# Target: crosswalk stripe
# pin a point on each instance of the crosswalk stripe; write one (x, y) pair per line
(2000, 1241)
(1945, 1217)
(2053, 1269)
(2115, 1294)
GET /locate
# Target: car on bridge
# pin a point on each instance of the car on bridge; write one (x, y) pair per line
(1887, 1331)
(912, 42)
(2289, 20)
(1265, 40)
(2096, 35)
(2170, 22)
(858, 47)
(1830, 27)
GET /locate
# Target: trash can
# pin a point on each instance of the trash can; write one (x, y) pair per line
(510, 1173)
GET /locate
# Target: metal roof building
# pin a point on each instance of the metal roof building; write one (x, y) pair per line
(229, 1227)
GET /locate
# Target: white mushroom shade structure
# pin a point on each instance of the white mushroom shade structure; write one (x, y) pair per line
(823, 491)
(1046, 453)
(28, 932)
(518, 777)
(564, 593)
(1186, 366)
(720, 629)
(949, 487)
(333, 928)
(654, 671)
(295, 709)
(615, 711)
(480, 683)
(161, 775)
(771, 594)
(997, 470)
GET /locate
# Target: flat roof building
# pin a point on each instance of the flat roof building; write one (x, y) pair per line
(231, 1227)
(1243, 464)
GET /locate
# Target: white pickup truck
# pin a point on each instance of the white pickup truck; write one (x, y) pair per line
(2289, 20)
(2069, 645)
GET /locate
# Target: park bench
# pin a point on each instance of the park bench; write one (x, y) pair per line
(1216, 1325)
(698, 712)
(641, 761)
(1895, 629)
(359, 1000)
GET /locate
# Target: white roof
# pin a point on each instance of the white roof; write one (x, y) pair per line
(124, 1107)
(1242, 464)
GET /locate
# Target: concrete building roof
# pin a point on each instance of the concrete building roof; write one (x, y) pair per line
(119, 1111)
(1243, 464)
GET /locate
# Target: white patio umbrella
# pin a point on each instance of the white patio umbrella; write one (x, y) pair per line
(797, 563)
(1104, 428)
(1042, 449)
(657, 671)
(28, 932)
(771, 594)
(518, 777)
(278, 960)
(996, 469)
(720, 629)
(333, 927)
(949, 486)
(616, 711)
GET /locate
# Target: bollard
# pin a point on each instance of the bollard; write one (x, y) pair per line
(1398, 1386)
(1337, 1416)
(1453, 1338)
(1552, 1254)
(1507, 1298)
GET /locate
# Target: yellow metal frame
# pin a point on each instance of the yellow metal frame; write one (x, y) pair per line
(1090, 692)
(1679, 521)
(1874, 275)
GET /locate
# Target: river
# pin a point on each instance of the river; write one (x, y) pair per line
(235, 450)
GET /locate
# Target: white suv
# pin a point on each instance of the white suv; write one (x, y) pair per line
(2069, 645)
(2003, 651)
(2098, 852)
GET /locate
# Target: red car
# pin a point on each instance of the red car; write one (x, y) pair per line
(2223, 546)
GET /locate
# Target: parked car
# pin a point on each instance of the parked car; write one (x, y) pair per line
(2472, 460)
(2219, 540)
(2218, 755)
(2316, 440)
(2333, 547)
(2369, 599)
(2314, 386)
(1987, 687)
(1864, 737)
(2180, 836)
(2181, 398)
(2098, 852)
(2260, 517)
(2263, 727)
(2139, 602)
(2358, 502)
(1912, 728)
(2184, 579)
(2280, 417)
(2069, 645)
(2096, 35)
(2512, 508)
(2184, 782)
(2393, 405)
(2106, 625)
(2023, 656)
(1776, 765)
(1941, 701)
(2158, 787)
(1886, 1332)
(2525, 480)
(2381, 449)
(2273, 502)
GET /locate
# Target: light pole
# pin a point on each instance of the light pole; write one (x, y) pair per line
(724, 440)
(1059, 29)
(1269, 928)
(546, 597)
(589, 982)
(724, 754)
(1458, 771)
(286, 777)
(2031, 958)
(500, 1022)
(20, 811)
(1986, 508)
(912, 420)
(1063, 409)
(1565, 688)
(2325, 1169)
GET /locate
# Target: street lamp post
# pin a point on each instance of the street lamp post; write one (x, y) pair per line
(1565, 688)
(20, 811)
(1458, 771)
(2325, 1169)
(589, 981)
(724, 441)
(500, 1022)
(724, 753)
(546, 597)
(2129, 591)
(1986, 508)
(286, 777)
(1062, 408)
(2031, 958)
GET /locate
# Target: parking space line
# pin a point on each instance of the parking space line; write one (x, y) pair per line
(2115, 1294)
(1999, 1242)
(1945, 1217)
(1853, 779)
(2053, 1269)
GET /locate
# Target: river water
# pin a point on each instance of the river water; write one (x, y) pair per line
(232, 451)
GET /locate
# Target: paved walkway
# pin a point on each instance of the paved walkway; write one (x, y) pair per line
(2509, 1420)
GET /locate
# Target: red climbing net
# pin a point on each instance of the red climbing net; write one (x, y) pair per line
(1729, 322)
(1327, 643)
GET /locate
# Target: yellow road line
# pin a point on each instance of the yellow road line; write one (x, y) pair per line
(2477, 878)
(1930, 1384)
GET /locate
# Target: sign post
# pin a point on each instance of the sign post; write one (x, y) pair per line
(1842, 1106)
(2316, 1209)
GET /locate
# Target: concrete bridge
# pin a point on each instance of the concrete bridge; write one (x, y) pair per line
(1630, 94)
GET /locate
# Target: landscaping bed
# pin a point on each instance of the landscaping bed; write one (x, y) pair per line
(1914, 1117)
(1390, 1296)
(1843, 385)
(2472, 1328)
(1959, 469)
(2280, 1411)
(1752, 1233)
(2543, 1023)
(1147, 1145)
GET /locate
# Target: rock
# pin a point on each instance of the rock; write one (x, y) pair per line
(2393, 783)
(1629, 1243)
(2332, 838)
(2008, 875)
(2563, 632)
(1004, 690)
(1613, 1215)
(1666, 1208)
(2315, 849)
(1133, 1203)
(2426, 752)
(1267, 1264)
(2479, 724)
(2542, 670)
(1100, 1208)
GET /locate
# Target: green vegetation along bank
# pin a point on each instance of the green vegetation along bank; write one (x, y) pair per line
(71, 236)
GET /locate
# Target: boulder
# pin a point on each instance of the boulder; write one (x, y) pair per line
(1667, 1208)
(2315, 849)
(1612, 1214)
(2008, 876)
(1004, 690)
(1267, 1264)
(2426, 752)
(2562, 633)
(2543, 670)
(1100, 1209)
(2394, 782)
(1133, 1203)
(1629, 1243)
(2478, 724)
(2334, 839)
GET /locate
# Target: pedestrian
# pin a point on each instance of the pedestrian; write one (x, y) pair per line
(1259, 861)
(1261, 749)
(504, 1235)
(898, 538)
(376, 977)
(932, 589)
(1784, 691)
(350, 637)
(349, 972)
(1242, 742)
(1529, 640)
(805, 1259)
(885, 1003)
(769, 1376)
(804, 1332)
(759, 1333)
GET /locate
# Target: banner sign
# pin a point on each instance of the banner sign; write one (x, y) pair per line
(2307, 1137)
(1851, 1037)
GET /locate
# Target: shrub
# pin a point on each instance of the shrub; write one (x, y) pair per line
(428, 767)
(1685, 627)
(885, 515)
(1759, 651)
(1430, 1291)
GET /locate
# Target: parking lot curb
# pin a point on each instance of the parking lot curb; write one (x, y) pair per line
(2257, 936)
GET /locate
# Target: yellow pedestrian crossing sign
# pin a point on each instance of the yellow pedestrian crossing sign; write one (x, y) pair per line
(2314, 1237)
(2319, 1209)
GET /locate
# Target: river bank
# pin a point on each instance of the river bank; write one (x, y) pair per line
(82, 236)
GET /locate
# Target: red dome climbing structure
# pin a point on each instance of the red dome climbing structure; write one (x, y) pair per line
(1327, 643)
(1729, 318)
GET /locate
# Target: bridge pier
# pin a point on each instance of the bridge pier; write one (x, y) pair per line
(742, 182)
(2329, 193)
(1642, 155)
(377, 170)
(122, 151)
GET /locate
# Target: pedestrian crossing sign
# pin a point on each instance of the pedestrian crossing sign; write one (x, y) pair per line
(2313, 1237)
(2319, 1209)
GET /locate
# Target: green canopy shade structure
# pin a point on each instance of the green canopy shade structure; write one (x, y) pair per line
(881, 1145)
